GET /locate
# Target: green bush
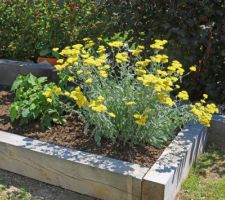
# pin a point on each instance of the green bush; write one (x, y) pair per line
(195, 29)
(29, 26)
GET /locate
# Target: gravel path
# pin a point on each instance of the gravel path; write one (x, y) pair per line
(16, 187)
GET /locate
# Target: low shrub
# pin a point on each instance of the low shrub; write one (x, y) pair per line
(128, 98)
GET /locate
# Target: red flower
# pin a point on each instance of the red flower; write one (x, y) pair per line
(73, 7)
(37, 14)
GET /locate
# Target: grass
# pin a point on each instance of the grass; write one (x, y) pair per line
(206, 179)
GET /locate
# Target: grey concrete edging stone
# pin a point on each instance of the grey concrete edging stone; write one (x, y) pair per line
(10, 69)
(99, 176)
(217, 132)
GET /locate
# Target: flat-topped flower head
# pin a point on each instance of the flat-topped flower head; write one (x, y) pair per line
(115, 44)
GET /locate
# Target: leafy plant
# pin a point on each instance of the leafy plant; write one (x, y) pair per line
(50, 53)
(31, 104)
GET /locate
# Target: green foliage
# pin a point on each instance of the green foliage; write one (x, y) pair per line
(49, 53)
(195, 29)
(30, 103)
(29, 26)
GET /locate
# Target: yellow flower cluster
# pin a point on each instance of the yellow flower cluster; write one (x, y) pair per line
(183, 95)
(121, 57)
(159, 58)
(204, 112)
(79, 97)
(144, 63)
(97, 105)
(141, 119)
(193, 68)
(176, 68)
(52, 91)
(138, 50)
(116, 44)
(159, 44)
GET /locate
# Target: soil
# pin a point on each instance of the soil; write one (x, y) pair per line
(71, 135)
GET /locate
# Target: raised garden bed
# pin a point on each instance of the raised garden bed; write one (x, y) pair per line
(98, 175)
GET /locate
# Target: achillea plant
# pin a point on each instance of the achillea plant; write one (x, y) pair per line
(128, 98)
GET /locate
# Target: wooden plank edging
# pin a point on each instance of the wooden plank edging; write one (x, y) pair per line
(78, 171)
(163, 180)
(103, 177)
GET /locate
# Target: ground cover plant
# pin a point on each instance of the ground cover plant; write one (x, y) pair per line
(123, 96)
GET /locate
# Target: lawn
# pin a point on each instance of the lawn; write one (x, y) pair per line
(206, 179)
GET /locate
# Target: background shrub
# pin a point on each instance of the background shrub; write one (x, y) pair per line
(28, 26)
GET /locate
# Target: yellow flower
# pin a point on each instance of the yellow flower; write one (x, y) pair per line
(70, 79)
(160, 58)
(88, 72)
(60, 61)
(100, 98)
(138, 50)
(55, 49)
(101, 49)
(121, 57)
(89, 81)
(144, 63)
(103, 74)
(57, 90)
(80, 71)
(90, 44)
(193, 68)
(116, 44)
(141, 119)
(141, 71)
(47, 93)
(86, 39)
(159, 44)
(177, 86)
(59, 67)
(49, 100)
(165, 99)
(66, 93)
(79, 97)
(183, 95)
(77, 46)
(111, 114)
(130, 103)
(205, 96)
(97, 106)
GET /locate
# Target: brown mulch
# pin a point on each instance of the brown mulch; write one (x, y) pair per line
(71, 135)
